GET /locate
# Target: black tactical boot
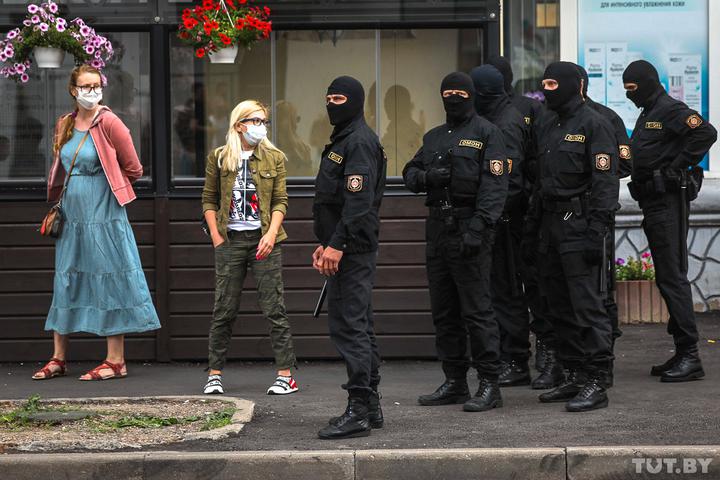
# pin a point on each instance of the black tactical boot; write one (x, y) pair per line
(514, 373)
(486, 398)
(658, 370)
(454, 390)
(540, 356)
(353, 423)
(375, 413)
(592, 396)
(567, 390)
(551, 375)
(687, 367)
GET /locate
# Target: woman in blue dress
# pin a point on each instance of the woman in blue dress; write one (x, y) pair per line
(99, 285)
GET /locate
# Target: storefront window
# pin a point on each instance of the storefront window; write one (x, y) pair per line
(30, 110)
(532, 40)
(203, 94)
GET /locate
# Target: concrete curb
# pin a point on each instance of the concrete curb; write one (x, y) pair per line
(244, 410)
(572, 463)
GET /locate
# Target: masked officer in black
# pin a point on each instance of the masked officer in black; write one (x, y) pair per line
(348, 191)
(623, 170)
(511, 310)
(669, 137)
(571, 210)
(545, 360)
(462, 166)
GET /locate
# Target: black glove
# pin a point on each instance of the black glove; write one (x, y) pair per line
(593, 251)
(437, 177)
(472, 243)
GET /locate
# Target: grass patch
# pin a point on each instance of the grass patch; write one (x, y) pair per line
(210, 422)
(18, 417)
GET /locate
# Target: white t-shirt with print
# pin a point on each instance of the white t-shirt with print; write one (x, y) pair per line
(244, 207)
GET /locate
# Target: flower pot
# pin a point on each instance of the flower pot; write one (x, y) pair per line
(639, 301)
(227, 55)
(49, 57)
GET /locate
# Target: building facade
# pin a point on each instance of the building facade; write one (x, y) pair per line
(177, 108)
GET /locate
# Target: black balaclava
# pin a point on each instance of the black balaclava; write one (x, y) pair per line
(585, 79)
(341, 115)
(457, 108)
(502, 64)
(489, 87)
(646, 77)
(567, 76)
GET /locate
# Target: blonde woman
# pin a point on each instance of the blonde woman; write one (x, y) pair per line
(244, 203)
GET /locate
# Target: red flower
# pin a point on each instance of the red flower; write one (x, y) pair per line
(208, 4)
(184, 35)
(186, 13)
(231, 4)
(200, 52)
(199, 11)
(190, 23)
(240, 24)
(225, 39)
(243, 2)
(267, 10)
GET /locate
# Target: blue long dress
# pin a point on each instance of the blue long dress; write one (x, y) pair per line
(99, 284)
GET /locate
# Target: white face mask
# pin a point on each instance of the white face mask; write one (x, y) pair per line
(255, 134)
(89, 100)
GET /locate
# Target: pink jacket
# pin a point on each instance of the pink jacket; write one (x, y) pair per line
(117, 155)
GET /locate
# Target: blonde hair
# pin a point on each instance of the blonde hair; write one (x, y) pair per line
(229, 154)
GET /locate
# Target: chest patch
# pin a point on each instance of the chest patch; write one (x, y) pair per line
(575, 138)
(354, 183)
(496, 167)
(471, 143)
(602, 161)
(335, 157)
(653, 125)
(694, 121)
(625, 152)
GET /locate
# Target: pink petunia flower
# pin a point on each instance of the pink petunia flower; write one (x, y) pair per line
(32, 8)
(89, 49)
(20, 68)
(97, 64)
(60, 27)
(27, 23)
(646, 255)
(52, 7)
(35, 19)
(44, 27)
(85, 30)
(12, 34)
(619, 261)
(2, 57)
(24, 77)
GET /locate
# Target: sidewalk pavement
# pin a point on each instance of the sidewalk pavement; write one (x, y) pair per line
(642, 410)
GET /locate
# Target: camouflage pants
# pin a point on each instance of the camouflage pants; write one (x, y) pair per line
(232, 260)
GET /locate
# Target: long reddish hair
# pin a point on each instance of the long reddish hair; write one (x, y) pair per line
(68, 123)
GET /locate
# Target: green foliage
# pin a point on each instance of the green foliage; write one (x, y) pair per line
(634, 269)
(18, 418)
(52, 38)
(210, 422)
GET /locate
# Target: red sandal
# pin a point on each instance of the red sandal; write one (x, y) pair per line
(47, 374)
(117, 369)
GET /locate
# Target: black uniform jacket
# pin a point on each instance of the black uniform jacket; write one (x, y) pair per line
(349, 189)
(475, 153)
(623, 141)
(668, 133)
(578, 156)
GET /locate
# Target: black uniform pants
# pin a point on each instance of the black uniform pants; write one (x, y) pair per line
(350, 319)
(461, 305)
(510, 307)
(537, 302)
(661, 223)
(577, 309)
(610, 304)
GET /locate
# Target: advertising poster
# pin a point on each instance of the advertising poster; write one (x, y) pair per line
(670, 34)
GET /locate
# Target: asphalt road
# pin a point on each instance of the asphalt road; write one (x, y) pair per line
(642, 410)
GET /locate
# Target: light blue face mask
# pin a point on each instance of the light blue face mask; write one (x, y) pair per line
(255, 134)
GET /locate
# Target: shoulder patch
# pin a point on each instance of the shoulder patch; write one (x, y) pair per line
(354, 183)
(575, 138)
(471, 143)
(694, 121)
(625, 152)
(653, 125)
(509, 166)
(335, 157)
(528, 120)
(496, 167)
(602, 161)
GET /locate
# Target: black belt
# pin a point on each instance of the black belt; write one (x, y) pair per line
(458, 212)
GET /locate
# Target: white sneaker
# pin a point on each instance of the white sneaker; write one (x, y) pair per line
(283, 386)
(213, 385)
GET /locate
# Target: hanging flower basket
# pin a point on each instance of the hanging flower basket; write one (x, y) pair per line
(637, 297)
(227, 55)
(49, 36)
(212, 27)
